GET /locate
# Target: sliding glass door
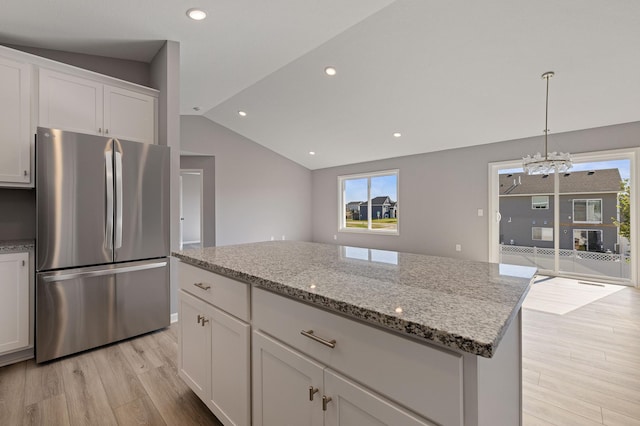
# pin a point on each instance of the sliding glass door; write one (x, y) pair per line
(577, 223)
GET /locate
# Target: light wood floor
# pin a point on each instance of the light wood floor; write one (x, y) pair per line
(134, 382)
(581, 368)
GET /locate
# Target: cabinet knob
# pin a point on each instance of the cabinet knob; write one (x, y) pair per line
(99, 129)
(106, 131)
(26, 173)
(325, 401)
(312, 391)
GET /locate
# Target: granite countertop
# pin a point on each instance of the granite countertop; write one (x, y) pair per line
(462, 304)
(13, 246)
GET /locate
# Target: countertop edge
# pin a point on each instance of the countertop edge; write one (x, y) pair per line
(391, 323)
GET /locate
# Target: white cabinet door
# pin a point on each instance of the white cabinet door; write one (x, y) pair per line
(230, 368)
(194, 349)
(284, 385)
(129, 115)
(14, 301)
(15, 139)
(352, 405)
(70, 103)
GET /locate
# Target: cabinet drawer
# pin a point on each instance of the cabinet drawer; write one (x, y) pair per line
(229, 295)
(428, 380)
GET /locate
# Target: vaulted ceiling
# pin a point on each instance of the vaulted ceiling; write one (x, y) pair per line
(442, 74)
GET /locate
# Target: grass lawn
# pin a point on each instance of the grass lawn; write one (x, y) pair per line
(375, 224)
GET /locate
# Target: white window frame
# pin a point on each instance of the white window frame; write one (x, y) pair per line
(586, 200)
(535, 205)
(542, 233)
(342, 203)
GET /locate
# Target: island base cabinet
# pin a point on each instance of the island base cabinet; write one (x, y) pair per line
(292, 389)
(286, 385)
(213, 359)
(195, 347)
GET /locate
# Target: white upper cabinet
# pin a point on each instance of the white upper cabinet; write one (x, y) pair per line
(70, 103)
(77, 104)
(15, 141)
(129, 115)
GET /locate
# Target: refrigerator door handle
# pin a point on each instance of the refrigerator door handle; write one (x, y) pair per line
(101, 272)
(118, 238)
(108, 231)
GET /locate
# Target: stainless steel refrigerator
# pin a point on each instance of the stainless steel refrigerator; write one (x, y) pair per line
(102, 246)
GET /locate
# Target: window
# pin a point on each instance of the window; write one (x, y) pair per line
(369, 202)
(540, 202)
(587, 211)
(542, 234)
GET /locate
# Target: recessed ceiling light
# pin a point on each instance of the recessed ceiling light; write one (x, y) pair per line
(196, 14)
(397, 134)
(312, 153)
(242, 113)
(330, 71)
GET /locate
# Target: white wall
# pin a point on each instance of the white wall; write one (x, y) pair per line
(440, 192)
(259, 194)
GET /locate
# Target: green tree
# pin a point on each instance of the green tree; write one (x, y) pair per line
(624, 207)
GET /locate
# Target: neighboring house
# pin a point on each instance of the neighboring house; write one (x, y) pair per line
(381, 207)
(588, 206)
(353, 209)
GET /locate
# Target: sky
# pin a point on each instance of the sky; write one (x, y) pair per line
(622, 165)
(356, 189)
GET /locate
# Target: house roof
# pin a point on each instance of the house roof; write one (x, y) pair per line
(380, 200)
(607, 180)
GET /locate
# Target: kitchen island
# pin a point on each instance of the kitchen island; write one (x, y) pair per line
(418, 339)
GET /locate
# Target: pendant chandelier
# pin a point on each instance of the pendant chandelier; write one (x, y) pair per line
(551, 161)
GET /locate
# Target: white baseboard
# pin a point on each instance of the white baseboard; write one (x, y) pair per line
(174, 318)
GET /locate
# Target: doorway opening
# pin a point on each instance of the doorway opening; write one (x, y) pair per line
(191, 208)
(575, 224)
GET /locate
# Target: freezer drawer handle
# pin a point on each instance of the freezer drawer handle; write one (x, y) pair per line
(202, 286)
(113, 271)
(310, 335)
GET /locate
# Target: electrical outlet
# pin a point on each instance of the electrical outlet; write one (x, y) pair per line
(458, 247)
(480, 212)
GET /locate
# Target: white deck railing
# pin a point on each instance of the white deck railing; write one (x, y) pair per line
(581, 262)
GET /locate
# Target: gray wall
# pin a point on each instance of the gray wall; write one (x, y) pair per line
(133, 71)
(259, 194)
(165, 76)
(207, 164)
(440, 192)
(17, 214)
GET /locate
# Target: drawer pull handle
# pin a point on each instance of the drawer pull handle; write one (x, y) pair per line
(202, 286)
(310, 335)
(325, 401)
(312, 391)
